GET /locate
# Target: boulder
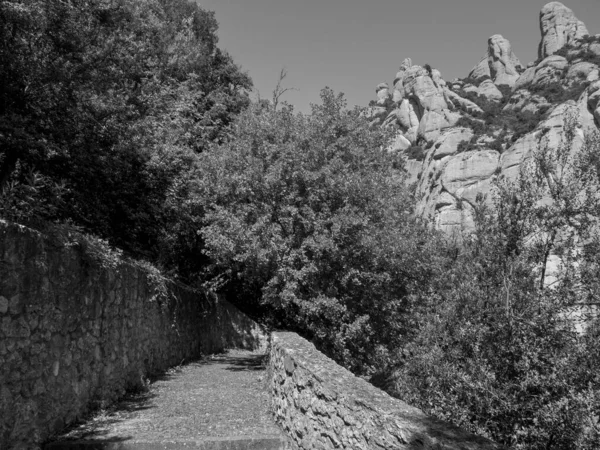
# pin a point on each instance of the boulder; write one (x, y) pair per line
(525, 78)
(580, 71)
(407, 114)
(559, 27)
(469, 168)
(399, 143)
(489, 90)
(448, 142)
(482, 69)
(465, 104)
(434, 121)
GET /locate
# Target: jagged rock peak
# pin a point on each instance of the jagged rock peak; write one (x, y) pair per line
(499, 63)
(504, 64)
(559, 27)
(381, 86)
(406, 64)
(383, 93)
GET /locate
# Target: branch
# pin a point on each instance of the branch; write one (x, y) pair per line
(279, 89)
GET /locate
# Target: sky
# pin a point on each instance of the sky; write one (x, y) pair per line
(353, 45)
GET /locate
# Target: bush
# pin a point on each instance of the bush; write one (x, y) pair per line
(495, 352)
(416, 152)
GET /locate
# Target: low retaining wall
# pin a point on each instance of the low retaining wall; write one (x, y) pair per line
(75, 333)
(321, 405)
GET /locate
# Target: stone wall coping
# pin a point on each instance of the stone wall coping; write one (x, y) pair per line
(338, 386)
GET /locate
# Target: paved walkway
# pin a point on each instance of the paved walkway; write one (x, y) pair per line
(217, 403)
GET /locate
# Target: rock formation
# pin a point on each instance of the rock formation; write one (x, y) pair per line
(422, 105)
(461, 163)
(499, 63)
(559, 27)
(383, 93)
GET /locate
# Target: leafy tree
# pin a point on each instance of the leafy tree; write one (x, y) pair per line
(104, 106)
(496, 351)
(307, 216)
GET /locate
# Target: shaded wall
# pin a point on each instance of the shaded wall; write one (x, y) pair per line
(78, 328)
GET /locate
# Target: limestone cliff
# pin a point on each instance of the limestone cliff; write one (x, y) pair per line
(458, 137)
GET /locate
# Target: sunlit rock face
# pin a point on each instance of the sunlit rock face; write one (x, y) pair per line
(383, 93)
(499, 63)
(559, 27)
(422, 107)
(454, 151)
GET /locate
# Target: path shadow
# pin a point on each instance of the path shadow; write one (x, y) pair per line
(92, 429)
(254, 363)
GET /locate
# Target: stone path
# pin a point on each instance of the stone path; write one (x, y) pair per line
(217, 403)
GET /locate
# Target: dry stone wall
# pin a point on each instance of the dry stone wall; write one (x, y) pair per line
(321, 405)
(75, 334)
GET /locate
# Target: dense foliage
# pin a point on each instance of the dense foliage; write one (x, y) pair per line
(103, 107)
(497, 351)
(309, 215)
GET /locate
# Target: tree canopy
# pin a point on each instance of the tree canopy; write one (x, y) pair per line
(104, 107)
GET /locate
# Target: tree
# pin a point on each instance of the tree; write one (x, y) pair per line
(279, 90)
(496, 351)
(104, 107)
(306, 217)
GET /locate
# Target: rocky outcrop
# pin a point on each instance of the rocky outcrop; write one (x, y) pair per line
(582, 71)
(447, 144)
(548, 70)
(559, 27)
(482, 69)
(489, 90)
(504, 64)
(383, 93)
(460, 164)
(593, 100)
(462, 103)
(499, 63)
(422, 105)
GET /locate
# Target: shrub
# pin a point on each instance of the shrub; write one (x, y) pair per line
(416, 152)
(494, 352)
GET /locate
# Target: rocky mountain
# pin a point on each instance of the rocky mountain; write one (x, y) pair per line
(458, 136)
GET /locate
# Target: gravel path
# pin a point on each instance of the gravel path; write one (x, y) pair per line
(217, 403)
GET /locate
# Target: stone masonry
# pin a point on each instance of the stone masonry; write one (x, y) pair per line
(76, 333)
(322, 406)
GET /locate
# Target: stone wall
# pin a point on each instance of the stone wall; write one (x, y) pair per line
(321, 405)
(78, 328)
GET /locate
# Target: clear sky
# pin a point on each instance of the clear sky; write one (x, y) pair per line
(352, 45)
